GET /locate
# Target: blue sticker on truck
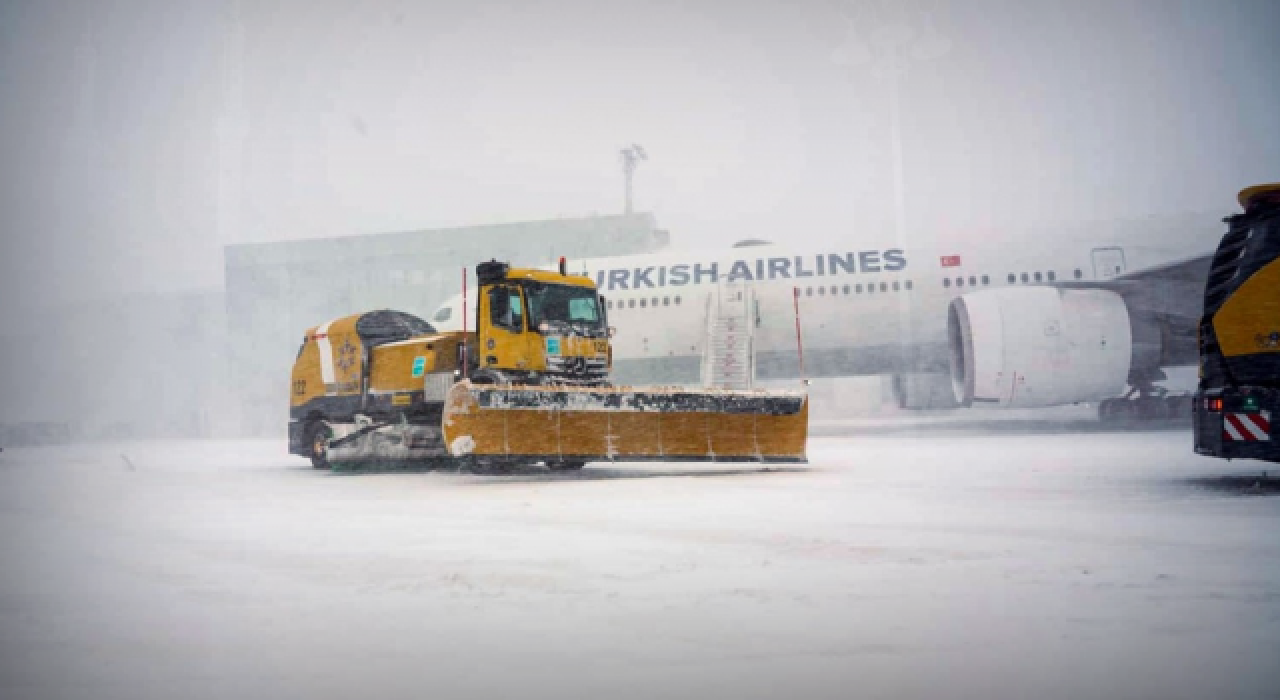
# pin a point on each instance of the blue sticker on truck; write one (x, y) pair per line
(553, 346)
(419, 366)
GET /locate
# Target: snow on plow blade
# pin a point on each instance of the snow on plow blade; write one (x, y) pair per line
(625, 424)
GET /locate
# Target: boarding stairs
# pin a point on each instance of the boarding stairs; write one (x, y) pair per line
(728, 355)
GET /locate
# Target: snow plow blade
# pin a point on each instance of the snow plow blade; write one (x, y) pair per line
(528, 423)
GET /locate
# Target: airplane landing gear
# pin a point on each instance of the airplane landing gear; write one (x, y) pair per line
(1145, 402)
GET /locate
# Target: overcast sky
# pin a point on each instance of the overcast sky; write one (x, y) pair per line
(139, 137)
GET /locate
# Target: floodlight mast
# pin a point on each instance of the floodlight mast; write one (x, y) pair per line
(889, 49)
(631, 157)
(895, 43)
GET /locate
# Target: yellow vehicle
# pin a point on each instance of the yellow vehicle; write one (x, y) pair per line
(529, 385)
(1237, 404)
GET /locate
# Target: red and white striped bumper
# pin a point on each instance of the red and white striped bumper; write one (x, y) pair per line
(1246, 427)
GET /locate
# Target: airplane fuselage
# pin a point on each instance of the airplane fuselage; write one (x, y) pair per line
(861, 310)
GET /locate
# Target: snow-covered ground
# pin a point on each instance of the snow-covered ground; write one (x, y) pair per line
(957, 565)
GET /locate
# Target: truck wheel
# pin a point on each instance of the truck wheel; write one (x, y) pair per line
(487, 467)
(489, 377)
(318, 436)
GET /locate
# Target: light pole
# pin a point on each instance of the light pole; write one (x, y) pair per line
(631, 157)
(889, 50)
(229, 127)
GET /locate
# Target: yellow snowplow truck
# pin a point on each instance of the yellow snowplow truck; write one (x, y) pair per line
(1237, 404)
(529, 385)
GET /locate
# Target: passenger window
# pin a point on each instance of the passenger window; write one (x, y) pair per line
(896, 287)
(884, 287)
(654, 301)
(642, 303)
(908, 285)
(677, 300)
(1052, 276)
(666, 301)
(1012, 278)
(959, 281)
(631, 303)
(946, 282)
(986, 280)
(1079, 274)
(858, 289)
(1037, 276)
(1025, 278)
(822, 291)
(973, 282)
(846, 290)
(871, 289)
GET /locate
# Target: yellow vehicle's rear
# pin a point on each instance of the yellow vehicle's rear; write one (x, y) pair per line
(371, 386)
(1237, 405)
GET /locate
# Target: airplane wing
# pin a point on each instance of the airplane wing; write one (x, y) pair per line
(1171, 296)
(1174, 289)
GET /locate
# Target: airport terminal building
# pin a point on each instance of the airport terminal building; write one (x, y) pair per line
(275, 291)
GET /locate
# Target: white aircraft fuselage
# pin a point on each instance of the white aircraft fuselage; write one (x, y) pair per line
(861, 310)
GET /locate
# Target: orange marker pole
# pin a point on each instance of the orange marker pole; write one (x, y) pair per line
(799, 343)
(464, 323)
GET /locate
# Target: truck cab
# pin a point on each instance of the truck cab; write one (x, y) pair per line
(537, 326)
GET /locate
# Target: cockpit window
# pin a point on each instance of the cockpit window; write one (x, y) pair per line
(443, 314)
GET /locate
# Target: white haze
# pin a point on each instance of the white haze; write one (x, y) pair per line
(142, 137)
(972, 554)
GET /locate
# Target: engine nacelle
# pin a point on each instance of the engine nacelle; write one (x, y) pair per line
(1038, 346)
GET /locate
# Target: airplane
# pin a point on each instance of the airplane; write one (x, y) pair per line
(961, 326)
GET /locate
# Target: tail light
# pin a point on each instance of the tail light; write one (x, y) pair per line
(1213, 405)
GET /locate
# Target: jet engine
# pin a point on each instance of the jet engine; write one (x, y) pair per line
(1038, 346)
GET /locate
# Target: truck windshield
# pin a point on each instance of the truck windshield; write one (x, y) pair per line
(562, 303)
